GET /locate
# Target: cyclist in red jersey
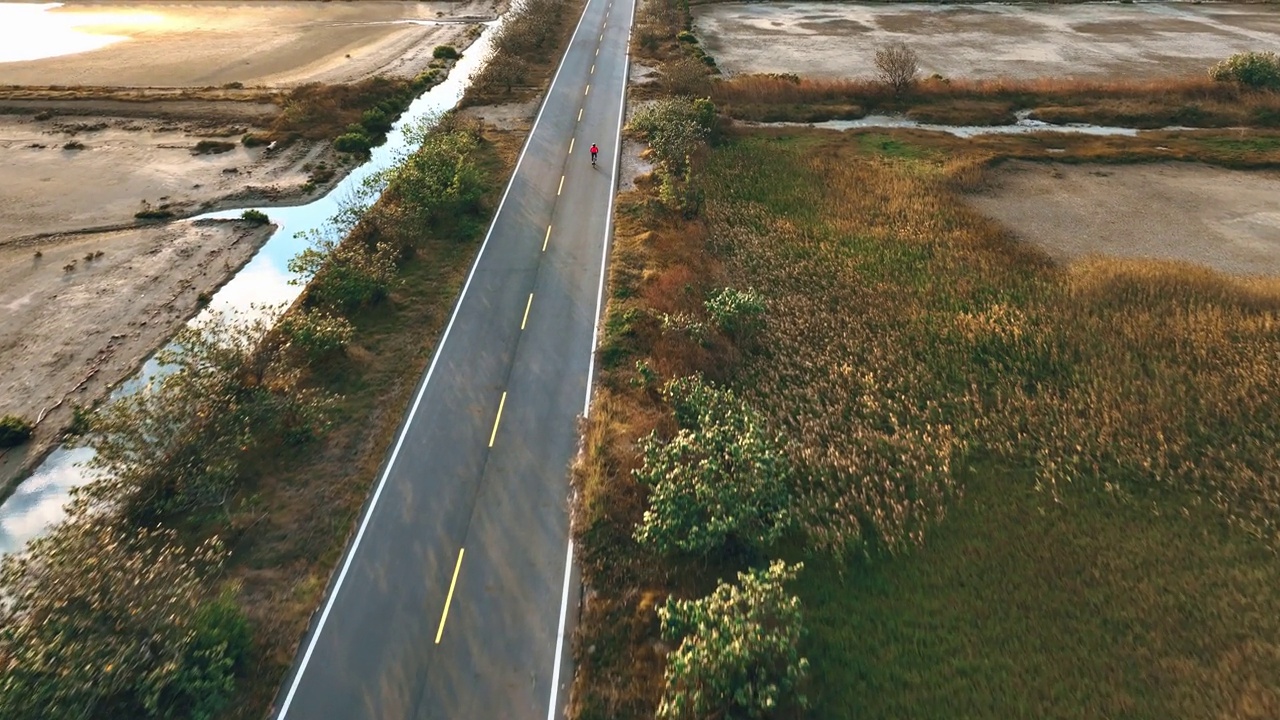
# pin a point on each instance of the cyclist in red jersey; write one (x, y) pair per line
(594, 150)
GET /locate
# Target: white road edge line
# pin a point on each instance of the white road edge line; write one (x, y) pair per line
(595, 333)
(373, 503)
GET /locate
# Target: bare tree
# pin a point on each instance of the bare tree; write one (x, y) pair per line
(897, 65)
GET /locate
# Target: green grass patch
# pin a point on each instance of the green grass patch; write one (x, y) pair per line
(1021, 607)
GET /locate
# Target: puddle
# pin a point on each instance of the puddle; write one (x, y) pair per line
(39, 499)
(1023, 126)
(31, 32)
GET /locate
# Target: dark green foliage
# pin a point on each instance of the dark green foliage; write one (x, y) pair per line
(14, 431)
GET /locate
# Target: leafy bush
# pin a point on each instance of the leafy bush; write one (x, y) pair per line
(897, 65)
(674, 129)
(212, 147)
(317, 333)
(218, 652)
(738, 313)
(257, 217)
(254, 140)
(685, 36)
(357, 142)
(719, 484)
(345, 275)
(1258, 70)
(14, 431)
(100, 621)
(441, 179)
(738, 655)
(375, 121)
(178, 446)
(445, 52)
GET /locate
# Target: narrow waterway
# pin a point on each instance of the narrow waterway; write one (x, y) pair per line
(38, 501)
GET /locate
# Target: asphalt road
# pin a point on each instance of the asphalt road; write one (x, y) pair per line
(457, 595)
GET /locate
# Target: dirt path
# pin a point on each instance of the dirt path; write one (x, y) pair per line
(1224, 219)
(271, 42)
(72, 327)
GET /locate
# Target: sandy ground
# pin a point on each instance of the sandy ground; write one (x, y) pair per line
(508, 117)
(125, 163)
(1225, 219)
(822, 39)
(273, 43)
(68, 334)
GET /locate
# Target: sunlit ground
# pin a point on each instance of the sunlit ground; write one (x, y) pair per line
(32, 32)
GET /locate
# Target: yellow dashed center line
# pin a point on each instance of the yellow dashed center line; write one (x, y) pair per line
(593, 69)
(449, 599)
(493, 435)
(597, 52)
(546, 239)
(571, 145)
(579, 114)
(526, 311)
(601, 37)
(561, 188)
(588, 91)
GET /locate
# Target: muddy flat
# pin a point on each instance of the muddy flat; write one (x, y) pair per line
(79, 313)
(1227, 220)
(821, 39)
(273, 43)
(70, 172)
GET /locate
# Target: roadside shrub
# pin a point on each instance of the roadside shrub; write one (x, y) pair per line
(719, 484)
(218, 652)
(739, 649)
(177, 447)
(101, 621)
(343, 276)
(254, 140)
(897, 65)
(685, 36)
(674, 128)
(1258, 70)
(357, 142)
(445, 52)
(14, 431)
(317, 333)
(441, 180)
(257, 217)
(737, 313)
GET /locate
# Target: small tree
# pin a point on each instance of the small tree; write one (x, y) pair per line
(720, 481)
(897, 65)
(738, 655)
(1257, 70)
